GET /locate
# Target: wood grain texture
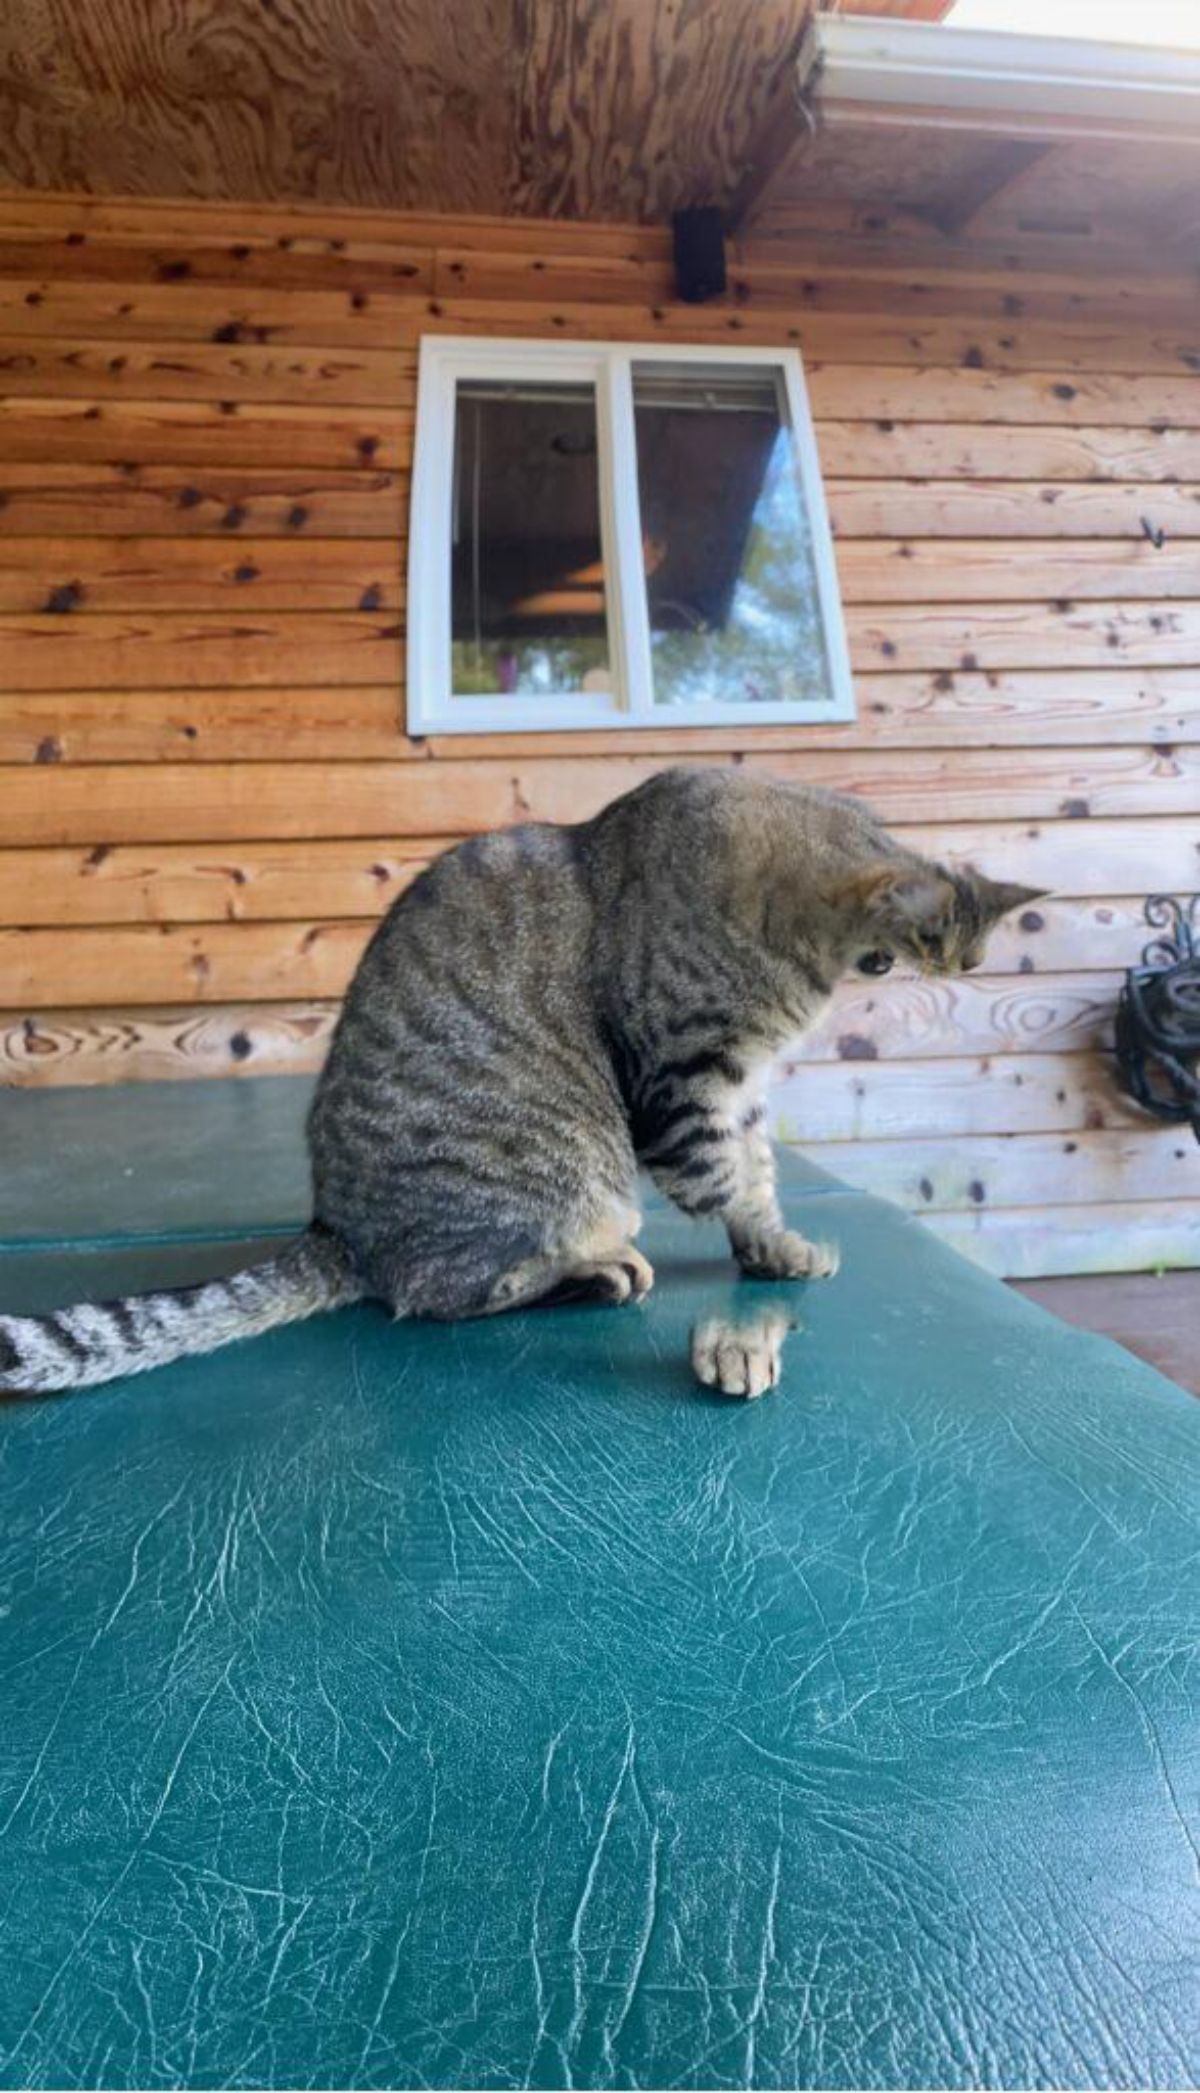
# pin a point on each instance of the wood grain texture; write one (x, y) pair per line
(58, 803)
(87, 649)
(123, 1046)
(182, 883)
(1034, 1242)
(894, 1101)
(977, 1015)
(476, 105)
(986, 570)
(203, 726)
(355, 266)
(69, 500)
(312, 99)
(976, 451)
(1010, 509)
(37, 368)
(202, 433)
(854, 392)
(55, 652)
(624, 110)
(329, 230)
(47, 308)
(1084, 1168)
(915, 1021)
(960, 709)
(243, 957)
(176, 962)
(235, 572)
(280, 880)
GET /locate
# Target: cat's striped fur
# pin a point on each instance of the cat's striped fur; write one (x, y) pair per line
(544, 1010)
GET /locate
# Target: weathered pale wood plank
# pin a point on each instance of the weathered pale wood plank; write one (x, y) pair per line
(1087, 1167)
(1071, 857)
(990, 1094)
(1032, 1242)
(905, 1020)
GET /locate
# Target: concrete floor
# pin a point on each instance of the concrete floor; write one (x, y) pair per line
(1157, 1319)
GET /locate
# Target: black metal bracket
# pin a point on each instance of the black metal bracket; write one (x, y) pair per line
(1158, 1015)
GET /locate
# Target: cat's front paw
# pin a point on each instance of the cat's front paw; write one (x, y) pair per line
(741, 1358)
(786, 1255)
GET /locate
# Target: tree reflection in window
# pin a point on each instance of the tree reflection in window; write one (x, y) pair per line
(731, 578)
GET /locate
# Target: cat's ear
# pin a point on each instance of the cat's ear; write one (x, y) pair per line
(999, 897)
(904, 897)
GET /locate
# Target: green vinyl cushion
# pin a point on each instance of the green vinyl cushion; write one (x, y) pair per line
(492, 1706)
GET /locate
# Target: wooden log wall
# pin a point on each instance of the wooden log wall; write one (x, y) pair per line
(206, 794)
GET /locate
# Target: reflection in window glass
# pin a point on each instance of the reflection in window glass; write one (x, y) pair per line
(730, 573)
(528, 601)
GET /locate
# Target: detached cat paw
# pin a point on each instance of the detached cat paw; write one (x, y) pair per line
(741, 1358)
(787, 1255)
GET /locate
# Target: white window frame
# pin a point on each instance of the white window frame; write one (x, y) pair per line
(433, 707)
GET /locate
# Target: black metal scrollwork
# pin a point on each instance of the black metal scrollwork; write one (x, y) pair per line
(1158, 1015)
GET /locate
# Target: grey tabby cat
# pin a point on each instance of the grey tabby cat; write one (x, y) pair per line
(543, 1010)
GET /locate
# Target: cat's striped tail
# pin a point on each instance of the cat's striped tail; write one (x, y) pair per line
(76, 1347)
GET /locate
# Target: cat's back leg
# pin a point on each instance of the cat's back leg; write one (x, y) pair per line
(490, 1270)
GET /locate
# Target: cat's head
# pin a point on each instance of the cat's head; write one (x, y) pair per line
(936, 920)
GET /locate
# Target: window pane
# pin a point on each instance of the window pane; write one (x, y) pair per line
(730, 573)
(527, 577)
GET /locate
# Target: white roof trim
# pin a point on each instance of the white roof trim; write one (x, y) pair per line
(869, 61)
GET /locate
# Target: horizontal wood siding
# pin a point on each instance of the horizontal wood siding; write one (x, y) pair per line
(206, 793)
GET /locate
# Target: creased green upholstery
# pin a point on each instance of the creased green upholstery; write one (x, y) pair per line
(491, 1706)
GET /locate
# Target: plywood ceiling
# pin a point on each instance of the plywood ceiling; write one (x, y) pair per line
(618, 109)
(582, 109)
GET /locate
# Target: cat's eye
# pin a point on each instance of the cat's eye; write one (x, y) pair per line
(876, 963)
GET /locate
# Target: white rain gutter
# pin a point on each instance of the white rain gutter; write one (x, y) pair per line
(856, 67)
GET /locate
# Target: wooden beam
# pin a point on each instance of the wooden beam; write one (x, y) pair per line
(1000, 166)
(783, 136)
